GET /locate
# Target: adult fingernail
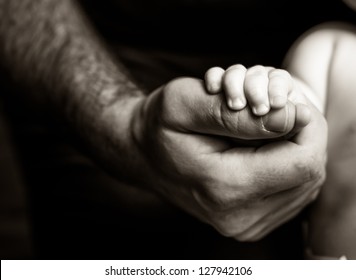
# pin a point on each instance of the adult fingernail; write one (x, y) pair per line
(276, 120)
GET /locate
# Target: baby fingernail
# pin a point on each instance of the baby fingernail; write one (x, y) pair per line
(236, 104)
(260, 110)
(213, 88)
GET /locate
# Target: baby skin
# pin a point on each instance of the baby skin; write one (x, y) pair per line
(325, 58)
(267, 92)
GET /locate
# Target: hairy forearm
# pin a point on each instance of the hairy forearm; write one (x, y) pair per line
(49, 47)
(50, 44)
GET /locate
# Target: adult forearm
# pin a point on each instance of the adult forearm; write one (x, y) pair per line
(50, 47)
(51, 44)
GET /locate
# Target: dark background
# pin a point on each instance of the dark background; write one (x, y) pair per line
(55, 203)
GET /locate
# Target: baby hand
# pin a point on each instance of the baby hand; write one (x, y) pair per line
(263, 89)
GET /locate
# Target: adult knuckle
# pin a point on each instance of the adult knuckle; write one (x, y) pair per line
(318, 167)
(228, 224)
(236, 222)
(311, 167)
(219, 196)
(216, 200)
(225, 228)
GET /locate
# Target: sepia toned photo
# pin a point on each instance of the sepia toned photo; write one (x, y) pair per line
(177, 130)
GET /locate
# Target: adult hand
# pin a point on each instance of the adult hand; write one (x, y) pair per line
(244, 192)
